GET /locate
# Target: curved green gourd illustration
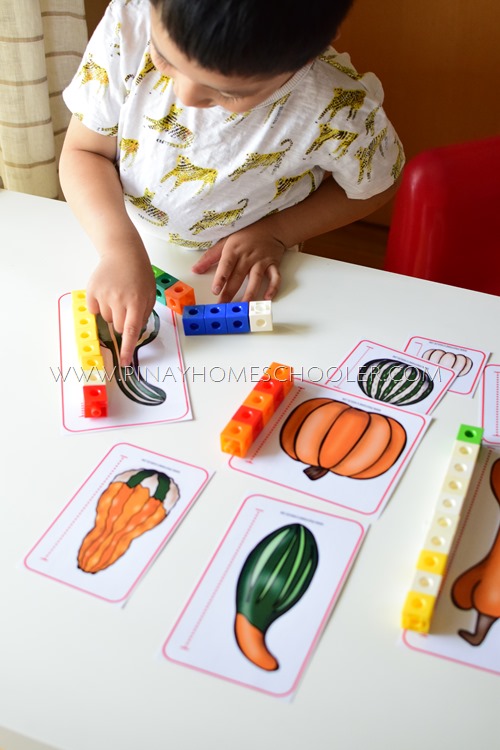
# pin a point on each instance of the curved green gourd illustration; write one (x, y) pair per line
(275, 575)
(129, 379)
(394, 382)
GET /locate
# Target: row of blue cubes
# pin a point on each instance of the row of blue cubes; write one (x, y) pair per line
(227, 317)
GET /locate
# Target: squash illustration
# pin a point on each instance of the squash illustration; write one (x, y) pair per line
(459, 363)
(129, 379)
(332, 436)
(394, 382)
(479, 587)
(275, 575)
(135, 502)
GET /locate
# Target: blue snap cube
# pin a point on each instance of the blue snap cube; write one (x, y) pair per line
(215, 318)
(193, 320)
(237, 317)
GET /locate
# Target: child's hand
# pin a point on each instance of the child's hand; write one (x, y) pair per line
(252, 252)
(124, 292)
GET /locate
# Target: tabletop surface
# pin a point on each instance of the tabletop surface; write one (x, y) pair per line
(79, 674)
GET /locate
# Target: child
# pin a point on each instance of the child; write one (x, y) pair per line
(226, 126)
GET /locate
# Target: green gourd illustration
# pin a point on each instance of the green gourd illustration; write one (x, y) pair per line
(275, 575)
(394, 382)
(129, 379)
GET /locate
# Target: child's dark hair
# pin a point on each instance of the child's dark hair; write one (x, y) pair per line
(252, 37)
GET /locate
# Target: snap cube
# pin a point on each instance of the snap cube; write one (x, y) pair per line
(283, 374)
(193, 320)
(264, 402)
(95, 401)
(237, 317)
(236, 438)
(215, 318)
(260, 316)
(252, 417)
(178, 296)
(274, 388)
(163, 282)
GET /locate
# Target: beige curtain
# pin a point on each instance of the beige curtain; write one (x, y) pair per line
(41, 43)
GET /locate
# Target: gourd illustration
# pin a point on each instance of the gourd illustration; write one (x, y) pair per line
(275, 575)
(459, 363)
(129, 379)
(479, 587)
(394, 382)
(135, 502)
(332, 436)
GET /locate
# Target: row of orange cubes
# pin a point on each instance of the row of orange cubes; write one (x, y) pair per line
(256, 410)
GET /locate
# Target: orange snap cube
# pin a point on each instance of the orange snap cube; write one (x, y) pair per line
(178, 296)
(282, 373)
(262, 401)
(274, 388)
(236, 438)
(252, 417)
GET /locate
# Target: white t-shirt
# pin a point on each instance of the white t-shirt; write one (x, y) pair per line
(194, 176)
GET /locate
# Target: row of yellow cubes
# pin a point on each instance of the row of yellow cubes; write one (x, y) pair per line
(431, 564)
(86, 334)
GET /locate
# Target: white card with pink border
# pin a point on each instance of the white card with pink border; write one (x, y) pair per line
(467, 363)
(391, 376)
(110, 532)
(490, 405)
(153, 391)
(349, 451)
(465, 627)
(259, 609)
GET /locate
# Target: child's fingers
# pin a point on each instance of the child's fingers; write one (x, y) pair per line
(130, 331)
(92, 304)
(227, 281)
(209, 258)
(255, 279)
(273, 286)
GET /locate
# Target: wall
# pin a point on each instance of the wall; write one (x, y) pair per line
(94, 10)
(438, 60)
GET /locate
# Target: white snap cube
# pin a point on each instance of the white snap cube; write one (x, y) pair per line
(260, 316)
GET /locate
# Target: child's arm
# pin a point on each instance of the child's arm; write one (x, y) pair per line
(257, 250)
(122, 287)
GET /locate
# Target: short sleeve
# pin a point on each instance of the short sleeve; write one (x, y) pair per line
(356, 141)
(116, 52)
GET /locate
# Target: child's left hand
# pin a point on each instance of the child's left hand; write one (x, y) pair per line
(252, 252)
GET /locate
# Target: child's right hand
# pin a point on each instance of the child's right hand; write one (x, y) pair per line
(123, 291)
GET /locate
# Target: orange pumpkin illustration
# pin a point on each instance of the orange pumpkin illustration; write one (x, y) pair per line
(332, 436)
(479, 587)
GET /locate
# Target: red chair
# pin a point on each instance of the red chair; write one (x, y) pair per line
(446, 220)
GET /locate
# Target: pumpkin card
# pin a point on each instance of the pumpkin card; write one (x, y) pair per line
(331, 445)
(151, 390)
(490, 408)
(467, 363)
(110, 532)
(464, 626)
(258, 611)
(392, 377)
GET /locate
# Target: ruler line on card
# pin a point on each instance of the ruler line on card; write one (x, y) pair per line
(185, 646)
(98, 490)
(354, 365)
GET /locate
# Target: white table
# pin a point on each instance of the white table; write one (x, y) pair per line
(78, 674)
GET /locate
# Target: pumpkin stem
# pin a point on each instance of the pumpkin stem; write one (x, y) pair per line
(483, 624)
(315, 472)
